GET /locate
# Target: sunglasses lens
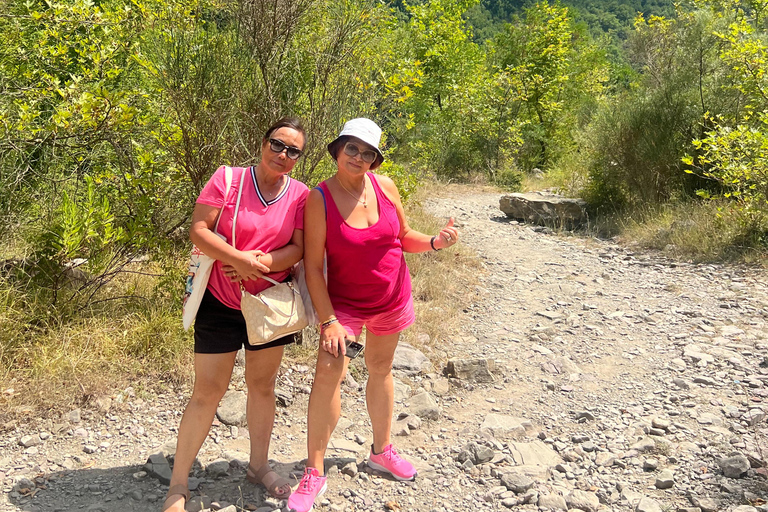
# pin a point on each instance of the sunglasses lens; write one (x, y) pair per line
(276, 146)
(368, 156)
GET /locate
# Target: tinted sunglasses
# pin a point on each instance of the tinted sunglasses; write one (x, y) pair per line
(368, 155)
(279, 146)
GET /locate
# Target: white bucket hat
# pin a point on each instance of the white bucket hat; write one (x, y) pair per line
(363, 129)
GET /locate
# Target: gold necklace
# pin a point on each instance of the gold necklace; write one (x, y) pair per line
(364, 202)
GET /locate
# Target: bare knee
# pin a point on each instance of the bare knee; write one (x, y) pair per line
(259, 384)
(208, 393)
(329, 371)
(379, 367)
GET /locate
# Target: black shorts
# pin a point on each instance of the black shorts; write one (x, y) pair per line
(220, 329)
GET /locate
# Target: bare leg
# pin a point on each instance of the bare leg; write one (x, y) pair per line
(212, 374)
(261, 369)
(324, 406)
(379, 392)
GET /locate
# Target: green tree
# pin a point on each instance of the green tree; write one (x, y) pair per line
(546, 71)
(446, 117)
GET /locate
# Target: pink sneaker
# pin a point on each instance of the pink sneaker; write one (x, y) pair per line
(391, 462)
(311, 486)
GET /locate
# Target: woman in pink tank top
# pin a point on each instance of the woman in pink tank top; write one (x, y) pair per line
(356, 220)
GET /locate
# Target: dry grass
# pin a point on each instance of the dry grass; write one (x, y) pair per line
(694, 231)
(50, 367)
(443, 281)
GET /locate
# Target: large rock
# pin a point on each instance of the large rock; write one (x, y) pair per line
(232, 408)
(704, 503)
(408, 359)
(424, 406)
(29, 441)
(665, 479)
(735, 466)
(552, 502)
(402, 390)
(218, 468)
(644, 445)
(476, 453)
(560, 365)
(544, 209)
(516, 482)
(582, 500)
(158, 467)
(648, 505)
(475, 370)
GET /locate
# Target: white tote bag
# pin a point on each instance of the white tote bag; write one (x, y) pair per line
(200, 266)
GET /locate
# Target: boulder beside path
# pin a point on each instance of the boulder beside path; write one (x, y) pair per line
(544, 209)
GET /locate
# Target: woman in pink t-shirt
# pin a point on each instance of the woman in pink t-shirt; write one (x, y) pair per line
(270, 241)
(356, 219)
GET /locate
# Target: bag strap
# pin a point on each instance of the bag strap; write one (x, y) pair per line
(242, 288)
(234, 221)
(228, 181)
(325, 205)
(237, 206)
(270, 280)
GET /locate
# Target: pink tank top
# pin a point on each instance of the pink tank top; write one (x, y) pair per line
(367, 274)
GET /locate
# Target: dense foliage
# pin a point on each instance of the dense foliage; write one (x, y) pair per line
(113, 114)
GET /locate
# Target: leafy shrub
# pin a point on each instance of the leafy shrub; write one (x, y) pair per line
(509, 179)
(407, 182)
(737, 159)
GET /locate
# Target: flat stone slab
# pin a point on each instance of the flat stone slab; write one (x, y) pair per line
(544, 209)
(535, 453)
(502, 426)
(343, 448)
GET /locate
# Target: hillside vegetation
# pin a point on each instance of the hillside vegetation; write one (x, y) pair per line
(113, 115)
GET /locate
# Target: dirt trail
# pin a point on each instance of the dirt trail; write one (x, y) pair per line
(615, 374)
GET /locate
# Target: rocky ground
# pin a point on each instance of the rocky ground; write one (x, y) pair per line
(587, 376)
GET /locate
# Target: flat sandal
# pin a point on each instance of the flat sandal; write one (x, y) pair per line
(176, 490)
(271, 481)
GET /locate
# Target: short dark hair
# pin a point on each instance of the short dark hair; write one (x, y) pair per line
(285, 122)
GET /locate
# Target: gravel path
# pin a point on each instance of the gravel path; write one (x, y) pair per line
(586, 377)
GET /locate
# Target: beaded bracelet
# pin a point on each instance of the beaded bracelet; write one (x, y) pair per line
(328, 322)
(432, 243)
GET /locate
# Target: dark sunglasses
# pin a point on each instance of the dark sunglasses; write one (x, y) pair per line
(279, 146)
(368, 155)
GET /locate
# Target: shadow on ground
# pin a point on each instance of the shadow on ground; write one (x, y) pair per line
(129, 489)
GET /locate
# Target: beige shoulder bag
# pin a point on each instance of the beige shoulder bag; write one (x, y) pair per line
(275, 312)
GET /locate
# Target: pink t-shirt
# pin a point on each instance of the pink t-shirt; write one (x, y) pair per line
(261, 224)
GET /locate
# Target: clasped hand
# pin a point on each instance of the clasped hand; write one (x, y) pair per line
(247, 267)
